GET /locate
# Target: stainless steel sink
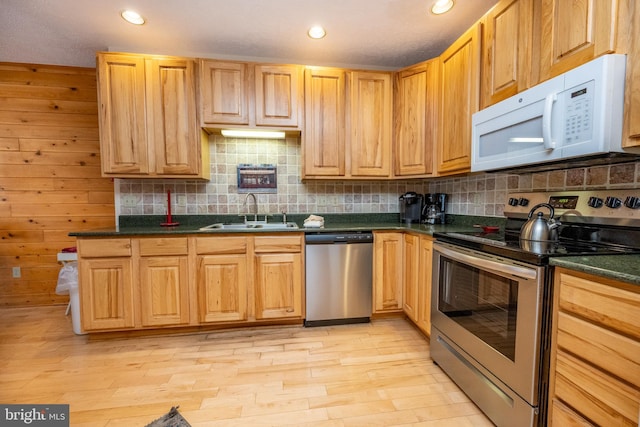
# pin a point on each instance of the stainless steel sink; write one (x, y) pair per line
(251, 226)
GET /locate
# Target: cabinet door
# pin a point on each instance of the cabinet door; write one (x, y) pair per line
(106, 293)
(278, 95)
(222, 287)
(278, 285)
(224, 93)
(411, 301)
(164, 291)
(574, 32)
(388, 265)
(424, 284)
(173, 130)
(122, 117)
(631, 131)
(370, 124)
(460, 76)
(416, 96)
(323, 141)
(506, 50)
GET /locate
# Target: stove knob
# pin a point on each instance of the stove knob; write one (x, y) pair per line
(613, 202)
(632, 202)
(513, 201)
(523, 201)
(595, 202)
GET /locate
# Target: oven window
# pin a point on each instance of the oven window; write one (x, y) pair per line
(483, 303)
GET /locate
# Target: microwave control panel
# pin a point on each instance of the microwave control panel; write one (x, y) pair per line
(578, 113)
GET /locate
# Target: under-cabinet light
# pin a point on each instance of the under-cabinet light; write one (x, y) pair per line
(264, 134)
(316, 32)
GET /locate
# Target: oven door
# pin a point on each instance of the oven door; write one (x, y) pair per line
(489, 307)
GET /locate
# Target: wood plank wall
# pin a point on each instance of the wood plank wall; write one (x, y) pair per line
(50, 180)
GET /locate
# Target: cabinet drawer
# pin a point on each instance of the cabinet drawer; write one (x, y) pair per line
(101, 248)
(163, 246)
(560, 415)
(603, 304)
(594, 394)
(221, 245)
(612, 352)
(278, 243)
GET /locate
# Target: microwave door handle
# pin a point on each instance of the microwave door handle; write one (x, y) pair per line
(549, 143)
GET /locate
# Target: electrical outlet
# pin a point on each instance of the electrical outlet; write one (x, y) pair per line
(181, 201)
(16, 272)
(322, 201)
(129, 201)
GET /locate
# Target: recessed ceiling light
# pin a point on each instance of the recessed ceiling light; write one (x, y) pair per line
(441, 6)
(316, 32)
(132, 17)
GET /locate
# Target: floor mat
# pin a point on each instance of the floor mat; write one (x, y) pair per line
(170, 419)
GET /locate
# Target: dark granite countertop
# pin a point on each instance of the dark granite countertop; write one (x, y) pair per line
(625, 268)
(191, 224)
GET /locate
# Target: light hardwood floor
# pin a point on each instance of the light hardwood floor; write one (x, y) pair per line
(377, 374)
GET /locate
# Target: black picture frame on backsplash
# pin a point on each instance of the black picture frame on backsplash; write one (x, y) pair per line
(261, 178)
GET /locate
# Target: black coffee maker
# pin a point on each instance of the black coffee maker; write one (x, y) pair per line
(411, 207)
(435, 205)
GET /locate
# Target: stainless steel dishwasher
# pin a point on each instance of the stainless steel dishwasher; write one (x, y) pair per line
(339, 277)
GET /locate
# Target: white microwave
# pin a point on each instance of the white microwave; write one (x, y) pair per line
(575, 116)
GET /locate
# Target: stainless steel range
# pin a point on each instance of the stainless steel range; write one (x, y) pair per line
(492, 293)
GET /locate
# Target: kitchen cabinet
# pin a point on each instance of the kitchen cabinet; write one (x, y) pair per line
(410, 300)
(631, 129)
(507, 49)
(595, 356)
(575, 32)
(222, 278)
(279, 277)
(164, 281)
(244, 94)
(105, 278)
(459, 99)
(371, 101)
(417, 280)
(348, 132)
(416, 118)
(323, 140)
(388, 252)
(148, 119)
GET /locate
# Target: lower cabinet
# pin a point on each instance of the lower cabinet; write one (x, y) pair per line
(595, 352)
(164, 281)
(222, 278)
(156, 282)
(105, 274)
(279, 277)
(388, 249)
(417, 280)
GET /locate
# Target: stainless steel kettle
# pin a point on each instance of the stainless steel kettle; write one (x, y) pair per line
(538, 228)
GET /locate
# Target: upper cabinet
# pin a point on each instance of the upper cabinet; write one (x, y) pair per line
(243, 94)
(575, 32)
(459, 99)
(631, 130)
(370, 124)
(506, 50)
(323, 149)
(347, 130)
(148, 119)
(416, 118)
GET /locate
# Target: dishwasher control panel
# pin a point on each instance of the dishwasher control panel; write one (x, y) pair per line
(341, 237)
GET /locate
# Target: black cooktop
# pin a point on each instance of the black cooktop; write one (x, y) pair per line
(573, 241)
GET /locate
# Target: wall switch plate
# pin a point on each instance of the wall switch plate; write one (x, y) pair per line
(181, 201)
(16, 272)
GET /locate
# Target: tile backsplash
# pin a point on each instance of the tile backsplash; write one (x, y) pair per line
(479, 194)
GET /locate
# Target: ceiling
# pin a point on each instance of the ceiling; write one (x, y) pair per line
(373, 34)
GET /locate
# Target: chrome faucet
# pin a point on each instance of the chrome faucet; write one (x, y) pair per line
(255, 205)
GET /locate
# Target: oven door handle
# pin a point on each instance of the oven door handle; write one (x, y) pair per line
(486, 262)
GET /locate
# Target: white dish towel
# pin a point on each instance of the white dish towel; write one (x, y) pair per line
(314, 221)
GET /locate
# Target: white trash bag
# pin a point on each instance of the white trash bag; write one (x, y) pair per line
(67, 278)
